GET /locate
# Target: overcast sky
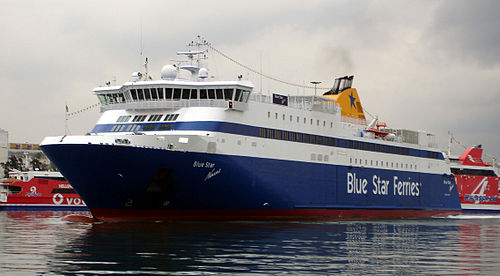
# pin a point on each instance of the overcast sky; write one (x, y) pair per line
(424, 65)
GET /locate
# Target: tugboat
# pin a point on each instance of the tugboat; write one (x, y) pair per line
(477, 181)
(200, 149)
(38, 190)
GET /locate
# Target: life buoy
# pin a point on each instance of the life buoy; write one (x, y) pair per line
(57, 199)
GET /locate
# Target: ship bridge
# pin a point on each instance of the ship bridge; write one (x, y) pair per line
(174, 94)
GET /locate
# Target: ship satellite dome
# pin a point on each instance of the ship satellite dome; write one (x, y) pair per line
(136, 76)
(169, 72)
(203, 74)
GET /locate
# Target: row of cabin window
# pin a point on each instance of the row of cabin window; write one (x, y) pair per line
(298, 119)
(393, 164)
(152, 118)
(296, 137)
(148, 94)
(141, 127)
(189, 94)
(328, 141)
(457, 171)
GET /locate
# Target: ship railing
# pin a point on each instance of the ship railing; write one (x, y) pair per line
(165, 104)
(311, 103)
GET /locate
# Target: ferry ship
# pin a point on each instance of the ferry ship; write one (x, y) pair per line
(197, 148)
(477, 181)
(38, 190)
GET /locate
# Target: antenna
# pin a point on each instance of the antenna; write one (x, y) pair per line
(146, 69)
(141, 46)
(260, 72)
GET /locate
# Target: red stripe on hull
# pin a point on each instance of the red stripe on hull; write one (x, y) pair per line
(115, 215)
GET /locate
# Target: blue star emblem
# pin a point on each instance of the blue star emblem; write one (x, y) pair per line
(352, 100)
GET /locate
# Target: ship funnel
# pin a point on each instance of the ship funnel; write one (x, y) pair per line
(340, 85)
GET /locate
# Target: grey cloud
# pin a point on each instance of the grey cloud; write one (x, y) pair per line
(467, 31)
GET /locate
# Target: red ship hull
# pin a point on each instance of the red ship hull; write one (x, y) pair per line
(39, 194)
(478, 193)
(477, 182)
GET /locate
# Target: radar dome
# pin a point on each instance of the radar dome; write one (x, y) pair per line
(169, 72)
(203, 74)
(136, 76)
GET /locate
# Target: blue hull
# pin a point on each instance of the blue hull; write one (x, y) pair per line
(133, 179)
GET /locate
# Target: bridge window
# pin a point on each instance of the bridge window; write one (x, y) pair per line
(219, 93)
(168, 93)
(140, 95)
(203, 94)
(228, 94)
(154, 94)
(211, 94)
(102, 99)
(177, 93)
(244, 97)
(237, 96)
(194, 94)
(133, 93)
(186, 93)
(147, 94)
(160, 93)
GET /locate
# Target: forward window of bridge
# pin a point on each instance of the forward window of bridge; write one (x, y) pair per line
(177, 93)
(237, 95)
(186, 93)
(194, 94)
(211, 94)
(147, 94)
(203, 94)
(219, 93)
(228, 94)
(168, 93)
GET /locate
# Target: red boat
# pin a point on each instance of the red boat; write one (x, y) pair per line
(477, 182)
(38, 190)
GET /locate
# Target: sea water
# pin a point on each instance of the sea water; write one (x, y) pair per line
(36, 242)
